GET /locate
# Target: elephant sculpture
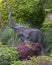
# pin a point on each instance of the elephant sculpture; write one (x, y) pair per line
(27, 34)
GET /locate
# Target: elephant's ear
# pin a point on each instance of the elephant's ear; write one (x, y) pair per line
(26, 33)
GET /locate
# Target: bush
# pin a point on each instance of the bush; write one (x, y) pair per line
(47, 39)
(7, 55)
(18, 63)
(41, 60)
(48, 4)
(50, 55)
(8, 36)
(1, 43)
(24, 11)
(28, 49)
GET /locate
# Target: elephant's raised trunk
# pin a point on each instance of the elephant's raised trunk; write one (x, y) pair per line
(10, 16)
(12, 24)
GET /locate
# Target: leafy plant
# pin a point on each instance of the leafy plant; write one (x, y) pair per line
(28, 49)
(50, 55)
(7, 55)
(48, 4)
(47, 31)
(23, 11)
(41, 60)
(8, 36)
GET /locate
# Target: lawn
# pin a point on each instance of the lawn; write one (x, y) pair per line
(47, 22)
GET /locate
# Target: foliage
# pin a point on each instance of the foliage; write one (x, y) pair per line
(48, 4)
(50, 55)
(47, 30)
(18, 63)
(8, 36)
(47, 23)
(27, 50)
(1, 43)
(7, 55)
(24, 11)
(41, 60)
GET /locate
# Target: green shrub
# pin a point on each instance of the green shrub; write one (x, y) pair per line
(48, 4)
(47, 30)
(50, 55)
(47, 39)
(23, 63)
(18, 63)
(7, 55)
(1, 43)
(47, 23)
(24, 11)
(8, 36)
(41, 60)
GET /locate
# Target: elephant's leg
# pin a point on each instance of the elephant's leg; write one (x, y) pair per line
(40, 41)
(42, 49)
(22, 38)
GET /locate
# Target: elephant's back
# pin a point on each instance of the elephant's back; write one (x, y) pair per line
(35, 34)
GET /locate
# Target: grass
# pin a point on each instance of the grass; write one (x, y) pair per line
(47, 22)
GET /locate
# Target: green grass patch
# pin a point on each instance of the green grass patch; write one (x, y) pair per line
(47, 22)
